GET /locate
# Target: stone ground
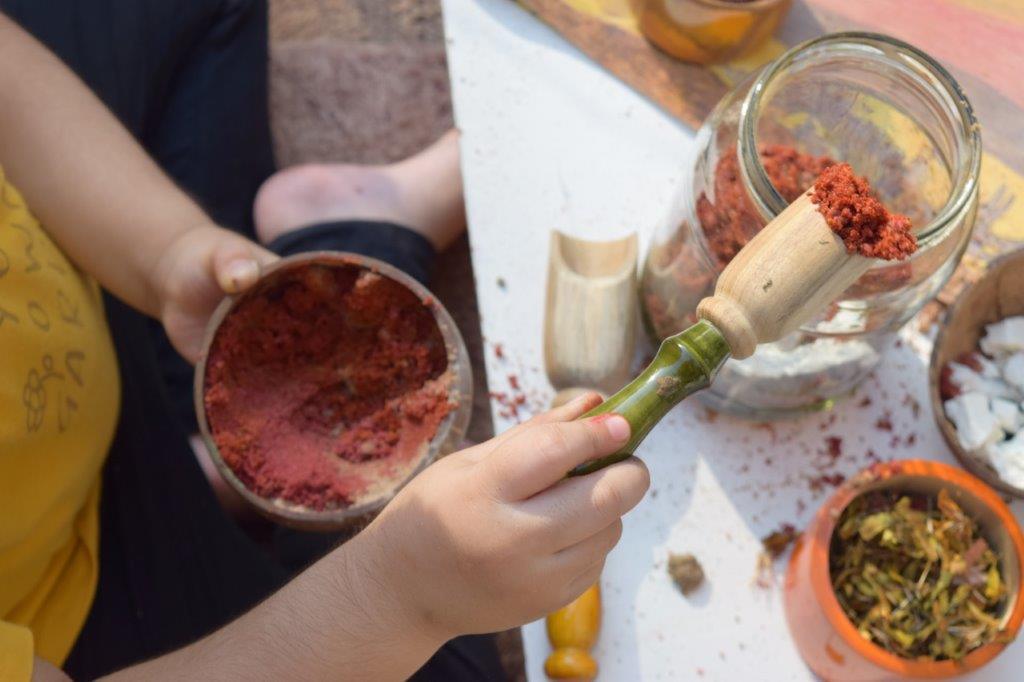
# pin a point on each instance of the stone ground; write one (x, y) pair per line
(365, 81)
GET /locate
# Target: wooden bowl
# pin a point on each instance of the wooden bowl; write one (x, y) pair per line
(998, 294)
(450, 432)
(826, 639)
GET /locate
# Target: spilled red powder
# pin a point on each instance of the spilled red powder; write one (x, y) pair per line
(325, 384)
(859, 218)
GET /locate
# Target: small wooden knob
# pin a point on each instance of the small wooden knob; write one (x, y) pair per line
(785, 275)
(572, 631)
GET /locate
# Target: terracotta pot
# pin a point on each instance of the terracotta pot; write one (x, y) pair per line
(827, 640)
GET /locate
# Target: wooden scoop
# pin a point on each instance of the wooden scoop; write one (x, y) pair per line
(784, 276)
(591, 312)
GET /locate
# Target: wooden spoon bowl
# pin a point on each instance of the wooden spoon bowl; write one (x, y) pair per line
(998, 294)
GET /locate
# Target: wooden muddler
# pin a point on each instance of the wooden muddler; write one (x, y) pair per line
(785, 275)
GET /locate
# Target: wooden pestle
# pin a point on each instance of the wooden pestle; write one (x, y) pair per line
(785, 275)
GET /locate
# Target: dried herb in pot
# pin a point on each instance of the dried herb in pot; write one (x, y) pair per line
(915, 576)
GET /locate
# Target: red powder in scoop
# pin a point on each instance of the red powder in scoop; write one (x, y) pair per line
(860, 219)
(727, 219)
(325, 384)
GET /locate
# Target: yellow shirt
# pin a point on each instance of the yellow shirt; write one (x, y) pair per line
(59, 399)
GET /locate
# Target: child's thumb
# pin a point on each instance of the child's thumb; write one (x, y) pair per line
(237, 264)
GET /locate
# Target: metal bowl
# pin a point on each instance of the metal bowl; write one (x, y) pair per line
(449, 434)
(998, 294)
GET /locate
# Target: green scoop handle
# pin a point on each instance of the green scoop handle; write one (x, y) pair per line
(684, 364)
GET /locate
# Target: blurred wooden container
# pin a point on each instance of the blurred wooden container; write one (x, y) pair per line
(709, 31)
(997, 295)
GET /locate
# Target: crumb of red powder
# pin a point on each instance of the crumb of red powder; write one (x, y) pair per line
(884, 423)
(834, 445)
(859, 218)
(499, 351)
(509, 403)
(513, 381)
(709, 417)
(776, 542)
(325, 382)
(914, 405)
(948, 388)
(823, 481)
(971, 360)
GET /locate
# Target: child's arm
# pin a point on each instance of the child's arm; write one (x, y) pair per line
(105, 202)
(483, 540)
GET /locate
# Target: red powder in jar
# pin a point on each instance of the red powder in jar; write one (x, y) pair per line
(732, 220)
(325, 384)
(860, 219)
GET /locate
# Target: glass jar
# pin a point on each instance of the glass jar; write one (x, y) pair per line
(708, 31)
(899, 119)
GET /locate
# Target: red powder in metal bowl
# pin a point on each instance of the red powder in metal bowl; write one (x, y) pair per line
(325, 384)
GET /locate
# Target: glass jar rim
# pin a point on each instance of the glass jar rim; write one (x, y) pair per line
(968, 135)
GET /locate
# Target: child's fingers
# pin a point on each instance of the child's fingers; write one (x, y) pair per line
(570, 410)
(587, 577)
(591, 549)
(580, 507)
(237, 263)
(563, 413)
(539, 456)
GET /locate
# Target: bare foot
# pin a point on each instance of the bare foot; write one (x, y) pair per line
(423, 193)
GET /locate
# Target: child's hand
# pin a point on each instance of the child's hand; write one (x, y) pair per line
(495, 536)
(195, 273)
